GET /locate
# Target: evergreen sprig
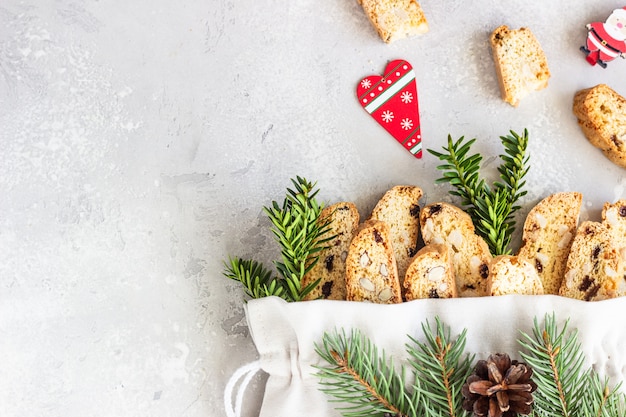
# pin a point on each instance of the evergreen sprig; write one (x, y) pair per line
(564, 387)
(257, 281)
(491, 209)
(362, 377)
(297, 229)
(602, 400)
(441, 367)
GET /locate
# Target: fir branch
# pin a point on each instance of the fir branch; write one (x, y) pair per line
(301, 235)
(492, 210)
(461, 171)
(492, 215)
(441, 368)
(601, 400)
(361, 377)
(514, 167)
(257, 281)
(296, 228)
(557, 361)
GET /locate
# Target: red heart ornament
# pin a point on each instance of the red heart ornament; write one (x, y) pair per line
(392, 101)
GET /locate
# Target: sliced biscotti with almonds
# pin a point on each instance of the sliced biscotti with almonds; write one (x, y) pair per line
(399, 208)
(330, 269)
(601, 114)
(430, 274)
(614, 218)
(371, 272)
(447, 224)
(521, 65)
(395, 19)
(547, 237)
(593, 265)
(512, 275)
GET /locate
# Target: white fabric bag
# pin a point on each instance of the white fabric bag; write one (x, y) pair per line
(285, 335)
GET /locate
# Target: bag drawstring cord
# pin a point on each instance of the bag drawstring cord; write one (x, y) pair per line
(246, 372)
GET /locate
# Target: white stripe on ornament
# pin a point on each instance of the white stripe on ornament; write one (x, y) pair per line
(601, 47)
(416, 148)
(392, 91)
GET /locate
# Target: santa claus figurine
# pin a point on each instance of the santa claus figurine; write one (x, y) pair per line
(606, 41)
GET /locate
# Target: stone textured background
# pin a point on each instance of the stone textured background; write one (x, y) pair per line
(139, 141)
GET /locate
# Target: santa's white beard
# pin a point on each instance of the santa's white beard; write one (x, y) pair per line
(615, 32)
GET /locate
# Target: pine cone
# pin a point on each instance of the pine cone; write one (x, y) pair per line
(499, 387)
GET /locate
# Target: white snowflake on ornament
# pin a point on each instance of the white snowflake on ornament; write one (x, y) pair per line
(366, 83)
(387, 116)
(406, 97)
(406, 123)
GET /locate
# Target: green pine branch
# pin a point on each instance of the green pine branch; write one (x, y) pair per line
(358, 376)
(514, 167)
(564, 387)
(492, 210)
(441, 368)
(257, 281)
(301, 236)
(602, 400)
(296, 228)
(461, 171)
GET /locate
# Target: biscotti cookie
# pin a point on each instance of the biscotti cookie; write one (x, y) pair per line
(614, 218)
(430, 274)
(593, 265)
(448, 224)
(512, 275)
(548, 232)
(601, 114)
(399, 208)
(521, 65)
(330, 268)
(395, 19)
(371, 272)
